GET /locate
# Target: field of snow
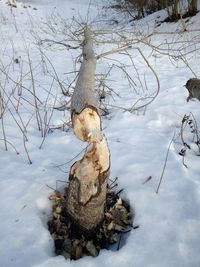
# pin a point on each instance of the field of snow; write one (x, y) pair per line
(33, 70)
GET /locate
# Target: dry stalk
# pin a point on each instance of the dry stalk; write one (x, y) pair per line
(189, 122)
(165, 163)
(38, 116)
(47, 120)
(7, 142)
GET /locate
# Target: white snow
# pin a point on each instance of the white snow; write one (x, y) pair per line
(169, 221)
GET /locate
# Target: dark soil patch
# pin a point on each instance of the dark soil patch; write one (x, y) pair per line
(176, 18)
(117, 6)
(73, 243)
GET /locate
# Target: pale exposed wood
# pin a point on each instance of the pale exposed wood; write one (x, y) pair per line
(88, 177)
(88, 185)
(87, 125)
(89, 168)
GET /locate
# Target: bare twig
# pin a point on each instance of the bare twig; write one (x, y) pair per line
(165, 163)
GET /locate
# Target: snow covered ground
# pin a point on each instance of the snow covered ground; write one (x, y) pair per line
(169, 221)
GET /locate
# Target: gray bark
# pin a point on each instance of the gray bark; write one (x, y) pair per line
(83, 95)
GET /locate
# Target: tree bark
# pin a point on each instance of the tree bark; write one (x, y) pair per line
(192, 7)
(175, 11)
(88, 177)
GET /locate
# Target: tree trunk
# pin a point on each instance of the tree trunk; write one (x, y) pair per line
(192, 7)
(88, 177)
(175, 11)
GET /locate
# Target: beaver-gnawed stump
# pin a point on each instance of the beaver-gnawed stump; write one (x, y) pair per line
(73, 242)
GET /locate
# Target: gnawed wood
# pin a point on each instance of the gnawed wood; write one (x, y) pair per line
(88, 177)
(88, 171)
(87, 125)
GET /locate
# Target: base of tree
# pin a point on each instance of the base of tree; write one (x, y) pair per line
(73, 242)
(173, 18)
